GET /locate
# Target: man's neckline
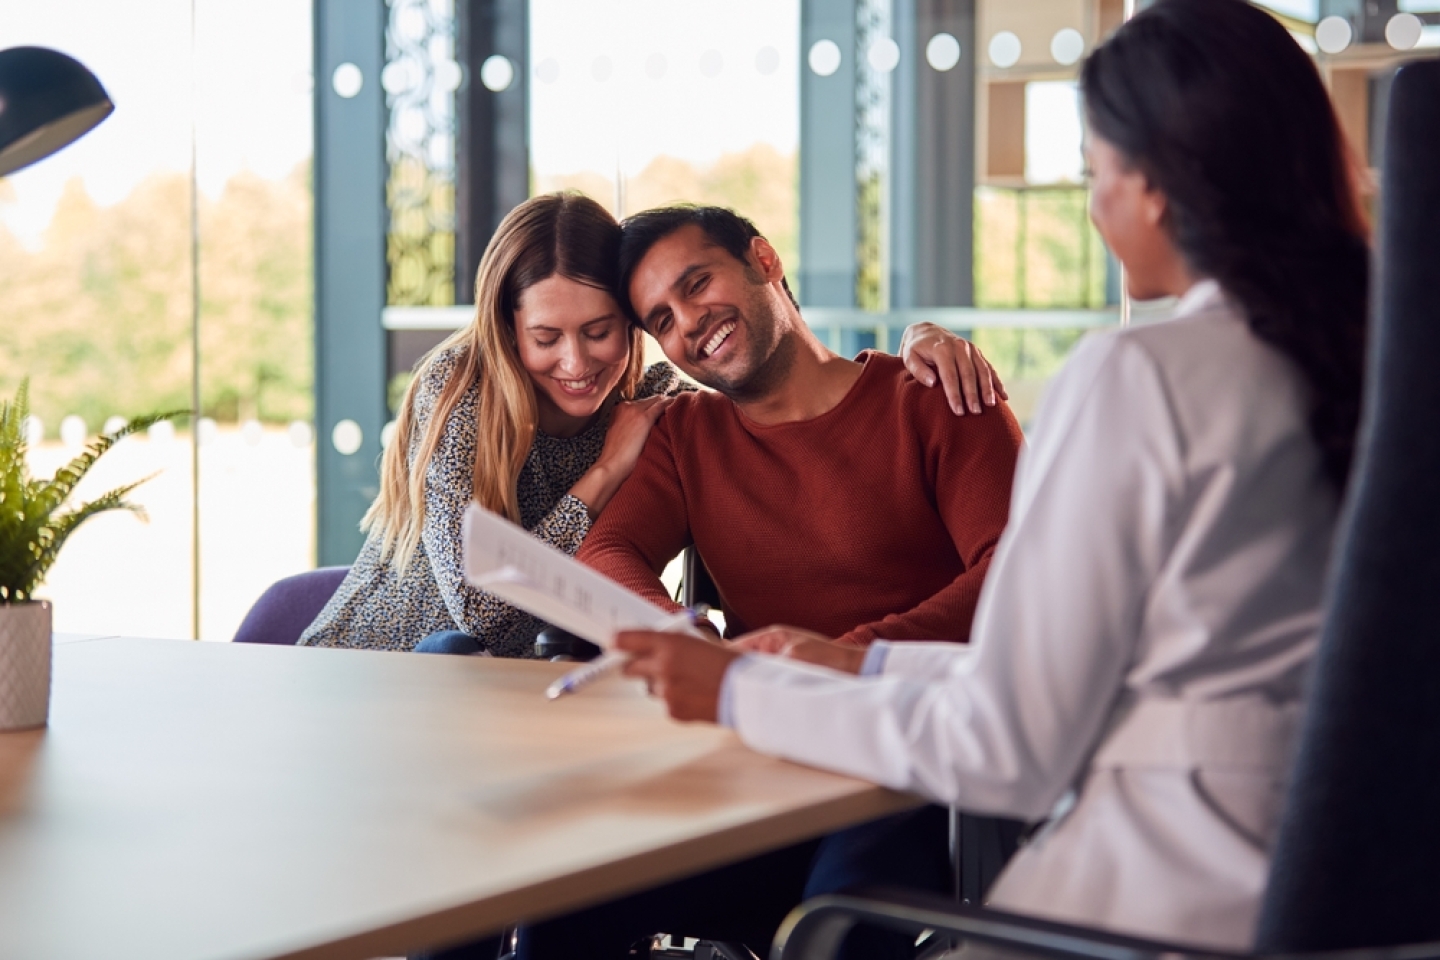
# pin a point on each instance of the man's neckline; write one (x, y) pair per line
(865, 367)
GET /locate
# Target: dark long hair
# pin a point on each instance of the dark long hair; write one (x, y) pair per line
(1221, 110)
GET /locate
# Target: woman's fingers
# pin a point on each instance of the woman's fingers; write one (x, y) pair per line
(992, 389)
(768, 640)
(951, 379)
(657, 402)
(686, 671)
(827, 653)
(640, 644)
(919, 368)
(647, 410)
(934, 355)
(781, 640)
(970, 366)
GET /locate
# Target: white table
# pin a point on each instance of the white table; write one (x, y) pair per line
(202, 800)
(59, 637)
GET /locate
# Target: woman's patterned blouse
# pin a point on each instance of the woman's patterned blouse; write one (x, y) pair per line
(377, 608)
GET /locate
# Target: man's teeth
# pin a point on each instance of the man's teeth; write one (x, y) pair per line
(577, 384)
(714, 342)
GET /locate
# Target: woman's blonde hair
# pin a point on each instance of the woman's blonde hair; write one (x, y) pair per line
(564, 234)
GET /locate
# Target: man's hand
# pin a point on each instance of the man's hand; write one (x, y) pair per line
(686, 671)
(800, 644)
(968, 378)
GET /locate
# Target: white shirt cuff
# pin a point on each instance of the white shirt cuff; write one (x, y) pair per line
(874, 663)
(725, 709)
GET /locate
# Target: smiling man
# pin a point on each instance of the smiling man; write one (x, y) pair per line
(838, 496)
(835, 495)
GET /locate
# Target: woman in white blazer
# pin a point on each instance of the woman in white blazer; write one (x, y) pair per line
(1140, 652)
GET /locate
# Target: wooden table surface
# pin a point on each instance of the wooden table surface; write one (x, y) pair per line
(211, 800)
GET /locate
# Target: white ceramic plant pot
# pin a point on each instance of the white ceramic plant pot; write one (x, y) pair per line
(24, 664)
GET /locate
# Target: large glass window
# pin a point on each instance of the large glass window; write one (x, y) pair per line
(645, 102)
(96, 285)
(167, 255)
(910, 161)
(254, 141)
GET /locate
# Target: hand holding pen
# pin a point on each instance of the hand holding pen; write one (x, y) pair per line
(683, 622)
(688, 673)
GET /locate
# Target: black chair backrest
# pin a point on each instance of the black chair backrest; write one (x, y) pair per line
(696, 588)
(1357, 862)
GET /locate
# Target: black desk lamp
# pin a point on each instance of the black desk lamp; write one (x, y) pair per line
(47, 101)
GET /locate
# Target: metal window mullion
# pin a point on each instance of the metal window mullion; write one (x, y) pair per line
(349, 189)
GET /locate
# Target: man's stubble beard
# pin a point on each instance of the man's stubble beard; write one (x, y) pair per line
(771, 356)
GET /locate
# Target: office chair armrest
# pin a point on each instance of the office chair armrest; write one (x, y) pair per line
(556, 644)
(696, 588)
(815, 929)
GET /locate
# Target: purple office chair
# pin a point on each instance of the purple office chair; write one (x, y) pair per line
(288, 606)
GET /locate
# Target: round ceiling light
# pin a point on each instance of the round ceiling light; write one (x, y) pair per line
(824, 58)
(1004, 49)
(1333, 34)
(1067, 46)
(1403, 31)
(883, 55)
(942, 52)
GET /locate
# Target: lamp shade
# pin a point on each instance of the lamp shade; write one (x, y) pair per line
(47, 100)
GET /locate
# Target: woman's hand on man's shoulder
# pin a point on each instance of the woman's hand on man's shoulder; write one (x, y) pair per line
(937, 357)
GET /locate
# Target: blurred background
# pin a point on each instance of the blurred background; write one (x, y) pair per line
(287, 208)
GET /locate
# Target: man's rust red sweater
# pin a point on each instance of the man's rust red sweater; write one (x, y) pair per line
(876, 519)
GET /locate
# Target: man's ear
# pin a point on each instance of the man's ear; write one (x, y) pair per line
(766, 260)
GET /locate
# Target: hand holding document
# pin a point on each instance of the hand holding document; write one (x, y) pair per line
(580, 677)
(502, 559)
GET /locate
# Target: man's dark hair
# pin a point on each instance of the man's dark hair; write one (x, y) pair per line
(723, 227)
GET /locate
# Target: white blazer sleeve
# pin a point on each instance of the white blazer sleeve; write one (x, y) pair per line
(1006, 726)
(922, 660)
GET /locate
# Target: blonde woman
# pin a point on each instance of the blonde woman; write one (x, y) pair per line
(538, 411)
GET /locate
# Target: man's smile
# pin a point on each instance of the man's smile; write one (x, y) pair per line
(717, 339)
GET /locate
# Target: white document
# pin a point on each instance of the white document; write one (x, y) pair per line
(502, 559)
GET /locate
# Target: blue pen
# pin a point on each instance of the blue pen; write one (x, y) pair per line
(607, 663)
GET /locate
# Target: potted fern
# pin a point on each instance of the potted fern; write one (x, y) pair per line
(34, 525)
